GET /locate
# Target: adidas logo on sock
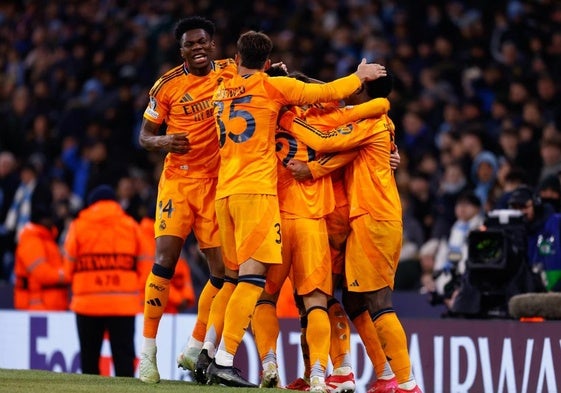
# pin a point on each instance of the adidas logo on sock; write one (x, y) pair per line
(354, 284)
(154, 302)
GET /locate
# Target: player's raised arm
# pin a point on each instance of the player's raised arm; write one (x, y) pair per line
(299, 93)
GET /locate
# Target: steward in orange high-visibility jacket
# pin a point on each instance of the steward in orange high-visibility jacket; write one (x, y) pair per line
(107, 261)
(40, 280)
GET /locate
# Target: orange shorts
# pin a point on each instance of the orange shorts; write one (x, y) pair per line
(372, 253)
(249, 228)
(305, 251)
(187, 204)
(338, 229)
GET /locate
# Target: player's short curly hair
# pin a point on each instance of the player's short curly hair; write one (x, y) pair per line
(192, 23)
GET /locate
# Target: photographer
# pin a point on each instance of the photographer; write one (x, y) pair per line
(543, 226)
(517, 252)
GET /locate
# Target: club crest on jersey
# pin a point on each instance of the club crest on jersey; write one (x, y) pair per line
(162, 225)
(151, 110)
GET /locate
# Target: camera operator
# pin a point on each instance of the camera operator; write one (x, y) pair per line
(515, 250)
(543, 226)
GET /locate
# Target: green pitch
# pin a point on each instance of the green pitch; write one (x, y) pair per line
(34, 381)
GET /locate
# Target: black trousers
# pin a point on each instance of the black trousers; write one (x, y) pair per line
(121, 339)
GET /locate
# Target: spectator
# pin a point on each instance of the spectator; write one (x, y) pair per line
(17, 119)
(450, 257)
(549, 95)
(451, 149)
(40, 141)
(408, 273)
(18, 214)
(471, 140)
(498, 116)
(472, 113)
(427, 255)
(8, 184)
(66, 206)
(108, 262)
(484, 174)
(90, 164)
(532, 114)
(550, 152)
(529, 153)
(452, 183)
(413, 235)
(129, 199)
(450, 123)
(421, 200)
(508, 142)
(416, 137)
(41, 283)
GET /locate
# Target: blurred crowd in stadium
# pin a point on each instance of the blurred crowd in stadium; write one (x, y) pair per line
(476, 100)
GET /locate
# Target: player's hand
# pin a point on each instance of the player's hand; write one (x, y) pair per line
(177, 143)
(370, 71)
(281, 65)
(395, 159)
(299, 170)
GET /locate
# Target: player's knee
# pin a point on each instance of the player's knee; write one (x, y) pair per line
(168, 249)
(166, 260)
(215, 261)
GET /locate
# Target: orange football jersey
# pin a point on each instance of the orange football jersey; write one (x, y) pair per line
(184, 102)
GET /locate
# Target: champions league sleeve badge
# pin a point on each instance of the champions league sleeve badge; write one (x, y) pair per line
(151, 109)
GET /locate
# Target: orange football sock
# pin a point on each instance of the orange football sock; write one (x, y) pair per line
(155, 300)
(367, 332)
(393, 340)
(265, 326)
(215, 323)
(238, 313)
(205, 301)
(340, 348)
(318, 337)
